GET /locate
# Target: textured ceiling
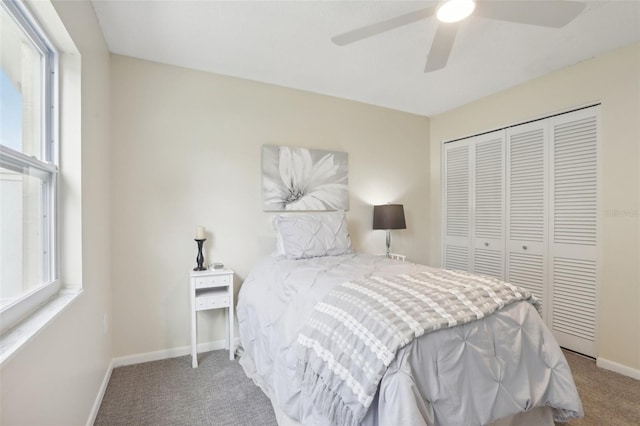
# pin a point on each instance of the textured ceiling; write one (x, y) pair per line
(288, 43)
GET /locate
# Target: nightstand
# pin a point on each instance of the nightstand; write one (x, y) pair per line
(211, 289)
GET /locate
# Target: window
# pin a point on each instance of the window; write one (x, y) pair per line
(28, 165)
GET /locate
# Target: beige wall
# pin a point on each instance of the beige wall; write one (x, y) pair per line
(614, 80)
(55, 378)
(186, 151)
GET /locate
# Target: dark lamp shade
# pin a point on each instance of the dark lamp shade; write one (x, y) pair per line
(389, 216)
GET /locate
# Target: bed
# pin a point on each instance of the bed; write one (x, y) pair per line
(504, 367)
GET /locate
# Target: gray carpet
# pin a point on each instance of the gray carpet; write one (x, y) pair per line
(170, 392)
(608, 398)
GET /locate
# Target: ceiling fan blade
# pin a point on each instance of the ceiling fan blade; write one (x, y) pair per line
(554, 14)
(441, 47)
(381, 27)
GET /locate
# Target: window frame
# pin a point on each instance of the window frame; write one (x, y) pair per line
(47, 165)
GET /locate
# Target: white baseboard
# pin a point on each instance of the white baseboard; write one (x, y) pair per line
(170, 353)
(618, 368)
(101, 391)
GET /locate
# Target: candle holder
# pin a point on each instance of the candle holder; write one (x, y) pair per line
(200, 257)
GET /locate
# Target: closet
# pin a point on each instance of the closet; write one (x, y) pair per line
(520, 204)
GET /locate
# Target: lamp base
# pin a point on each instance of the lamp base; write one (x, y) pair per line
(388, 243)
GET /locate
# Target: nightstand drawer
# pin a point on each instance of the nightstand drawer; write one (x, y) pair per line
(213, 301)
(213, 281)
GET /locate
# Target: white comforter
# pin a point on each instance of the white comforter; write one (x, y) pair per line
(472, 374)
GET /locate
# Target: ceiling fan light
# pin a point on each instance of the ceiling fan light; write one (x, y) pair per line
(455, 10)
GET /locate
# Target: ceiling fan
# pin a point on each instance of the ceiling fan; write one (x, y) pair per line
(553, 14)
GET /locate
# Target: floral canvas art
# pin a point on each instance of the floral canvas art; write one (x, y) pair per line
(303, 179)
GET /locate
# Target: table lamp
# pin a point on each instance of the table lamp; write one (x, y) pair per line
(388, 217)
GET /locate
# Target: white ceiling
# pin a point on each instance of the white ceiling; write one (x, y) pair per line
(288, 43)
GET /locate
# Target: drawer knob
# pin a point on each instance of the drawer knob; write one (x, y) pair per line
(486, 244)
(524, 247)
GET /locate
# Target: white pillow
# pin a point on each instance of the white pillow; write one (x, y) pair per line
(313, 235)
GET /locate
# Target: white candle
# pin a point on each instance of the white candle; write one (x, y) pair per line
(200, 233)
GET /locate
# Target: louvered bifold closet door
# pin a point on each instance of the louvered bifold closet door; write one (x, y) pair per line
(573, 246)
(457, 208)
(526, 208)
(488, 204)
